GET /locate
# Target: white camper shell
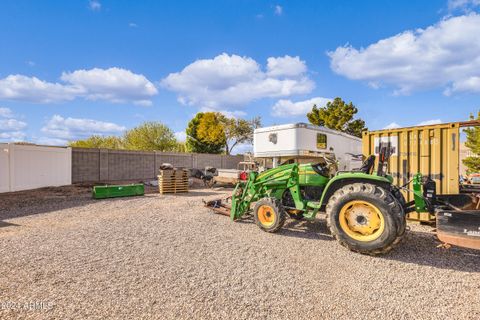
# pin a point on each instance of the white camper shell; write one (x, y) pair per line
(303, 141)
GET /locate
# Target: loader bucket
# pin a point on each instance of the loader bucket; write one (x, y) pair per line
(218, 206)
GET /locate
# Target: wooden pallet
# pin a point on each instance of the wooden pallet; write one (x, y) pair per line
(173, 190)
(173, 181)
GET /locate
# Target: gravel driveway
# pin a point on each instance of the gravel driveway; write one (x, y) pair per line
(166, 257)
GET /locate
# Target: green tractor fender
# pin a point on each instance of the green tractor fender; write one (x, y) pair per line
(344, 179)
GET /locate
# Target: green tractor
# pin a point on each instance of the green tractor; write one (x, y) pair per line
(365, 212)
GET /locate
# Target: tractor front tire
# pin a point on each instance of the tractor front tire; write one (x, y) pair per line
(365, 218)
(269, 214)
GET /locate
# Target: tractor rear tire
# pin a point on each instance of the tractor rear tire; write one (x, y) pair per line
(402, 221)
(366, 218)
(269, 214)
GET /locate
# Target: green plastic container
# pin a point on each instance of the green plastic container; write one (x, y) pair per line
(103, 192)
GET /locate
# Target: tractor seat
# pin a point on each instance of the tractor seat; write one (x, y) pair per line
(367, 165)
(321, 169)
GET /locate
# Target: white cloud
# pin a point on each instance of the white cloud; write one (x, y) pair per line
(392, 125)
(233, 114)
(285, 66)
(228, 81)
(287, 108)
(114, 85)
(11, 128)
(30, 63)
(395, 125)
(32, 89)
(429, 122)
(95, 5)
(50, 141)
(65, 129)
(278, 10)
(6, 113)
(471, 84)
(462, 4)
(445, 55)
(181, 136)
(132, 25)
(12, 136)
(11, 125)
(227, 113)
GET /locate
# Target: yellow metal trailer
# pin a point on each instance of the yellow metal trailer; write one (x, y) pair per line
(431, 150)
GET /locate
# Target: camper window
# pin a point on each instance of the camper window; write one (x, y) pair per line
(321, 141)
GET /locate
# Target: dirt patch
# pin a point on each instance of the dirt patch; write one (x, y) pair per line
(20, 203)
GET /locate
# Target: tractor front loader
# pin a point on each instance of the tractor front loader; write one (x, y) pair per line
(365, 212)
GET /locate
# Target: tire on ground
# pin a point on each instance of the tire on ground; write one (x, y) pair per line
(385, 237)
(398, 209)
(269, 214)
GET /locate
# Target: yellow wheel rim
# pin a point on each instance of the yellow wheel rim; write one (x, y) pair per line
(266, 215)
(361, 220)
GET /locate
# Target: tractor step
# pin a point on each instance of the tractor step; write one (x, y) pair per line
(459, 228)
(218, 206)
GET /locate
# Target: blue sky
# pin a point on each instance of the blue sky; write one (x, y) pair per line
(74, 68)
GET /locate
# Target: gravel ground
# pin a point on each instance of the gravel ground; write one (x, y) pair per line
(65, 256)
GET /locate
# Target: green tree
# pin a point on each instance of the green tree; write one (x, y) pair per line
(205, 133)
(109, 142)
(337, 115)
(473, 143)
(238, 131)
(180, 147)
(150, 136)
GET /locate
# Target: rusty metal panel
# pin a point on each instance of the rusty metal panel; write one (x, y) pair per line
(430, 150)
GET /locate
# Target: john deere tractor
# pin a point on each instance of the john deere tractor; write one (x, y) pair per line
(365, 212)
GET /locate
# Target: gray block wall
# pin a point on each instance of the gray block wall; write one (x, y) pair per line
(95, 165)
(85, 165)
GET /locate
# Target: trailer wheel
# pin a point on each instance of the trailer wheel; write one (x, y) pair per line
(269, 214)
(365, 218)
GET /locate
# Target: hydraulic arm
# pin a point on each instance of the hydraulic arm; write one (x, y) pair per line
(259, 185)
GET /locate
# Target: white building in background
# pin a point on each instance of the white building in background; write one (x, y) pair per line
(301, 141)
